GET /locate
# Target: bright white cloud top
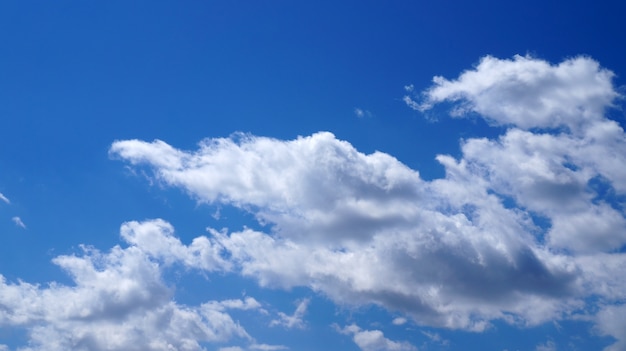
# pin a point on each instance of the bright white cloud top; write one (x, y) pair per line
(528, 93)
(459, 252)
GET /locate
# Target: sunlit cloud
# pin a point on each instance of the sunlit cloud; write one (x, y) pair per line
(118, 301)
(459, 252)
(523, 229)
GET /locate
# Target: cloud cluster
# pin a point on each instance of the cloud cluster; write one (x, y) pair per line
(523, 228)
(119, 300)
(366, 229)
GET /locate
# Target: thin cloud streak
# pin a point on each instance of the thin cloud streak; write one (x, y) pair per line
(18, 222)
(295, 320)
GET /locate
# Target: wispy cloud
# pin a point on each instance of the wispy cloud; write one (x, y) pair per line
(267, 347)
(295, 320)
(374, 340)
(435, 338)
(231, 348)
(4, 198)
(18, 222)
(361, 113)
(399, 321)
(547, 346)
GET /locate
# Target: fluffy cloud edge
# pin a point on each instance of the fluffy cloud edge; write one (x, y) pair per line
(333, 209)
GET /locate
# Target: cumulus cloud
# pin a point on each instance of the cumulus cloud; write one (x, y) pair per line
(348, 225)
(156, 238)
(118, 302)
(524, 227)
(527, 92)
(374, 340)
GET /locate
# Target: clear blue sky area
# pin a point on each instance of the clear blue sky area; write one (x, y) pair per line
(327, 175)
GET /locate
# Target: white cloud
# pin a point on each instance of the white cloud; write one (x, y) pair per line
(550, 175)
(249, 303)
(267, 347)
(411, 102)
(4, 198)
(528, 92)
(454, 252)
(374, 340)
(18, 222)
(118, 302)
(348, 224)
(399, 321)
(156, 239)
(547, 346)
(231, 348)
(295, 320)
(261, 347)
(610, 321)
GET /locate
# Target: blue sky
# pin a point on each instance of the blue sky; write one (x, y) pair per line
(352, 175)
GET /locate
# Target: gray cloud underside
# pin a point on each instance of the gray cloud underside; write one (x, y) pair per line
(456, 252)
(367, 229)
(119, 300)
